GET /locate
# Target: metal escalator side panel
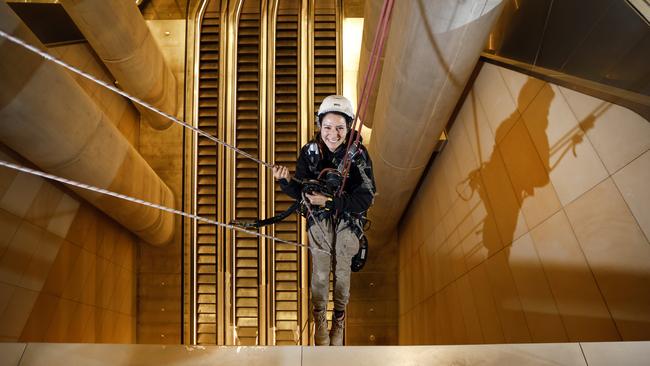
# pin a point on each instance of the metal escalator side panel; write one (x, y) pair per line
(246, 271)
(207, 180)
(287, 294)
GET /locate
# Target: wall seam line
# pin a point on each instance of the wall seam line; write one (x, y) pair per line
(600, 292)
(23, 354)
(583, 353)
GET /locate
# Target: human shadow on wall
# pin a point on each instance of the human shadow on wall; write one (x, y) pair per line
(499, 226)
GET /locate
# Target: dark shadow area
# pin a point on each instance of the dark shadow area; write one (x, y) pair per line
(598, 40)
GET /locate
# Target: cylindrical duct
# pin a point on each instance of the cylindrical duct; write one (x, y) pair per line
(120, 37)
(47, 118)
(431, 50)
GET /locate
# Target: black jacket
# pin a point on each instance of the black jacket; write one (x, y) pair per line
(357, 196)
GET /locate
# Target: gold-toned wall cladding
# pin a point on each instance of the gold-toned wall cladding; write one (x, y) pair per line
(67, 270)
(525, 228)
(166, 9)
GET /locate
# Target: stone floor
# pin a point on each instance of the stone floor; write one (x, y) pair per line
(590, 354)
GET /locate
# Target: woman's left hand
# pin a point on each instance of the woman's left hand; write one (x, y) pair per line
(317, 199)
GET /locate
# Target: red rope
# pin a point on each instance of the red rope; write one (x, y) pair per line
(379, 32)
(369, 80)
(373, 67)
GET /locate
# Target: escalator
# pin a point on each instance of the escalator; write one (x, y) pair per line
(325, 54)
(251, 291)
(207, 179)
(286, 258)
(246, 185)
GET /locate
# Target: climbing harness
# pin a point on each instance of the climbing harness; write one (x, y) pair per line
(328, 184)
(359, 259)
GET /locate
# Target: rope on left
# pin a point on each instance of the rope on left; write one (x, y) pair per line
(146, 203)
(138, 101)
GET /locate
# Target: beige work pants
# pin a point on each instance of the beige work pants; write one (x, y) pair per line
(342, 246)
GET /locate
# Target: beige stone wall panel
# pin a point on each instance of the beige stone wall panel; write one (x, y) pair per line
(61, 259)
(569, 261)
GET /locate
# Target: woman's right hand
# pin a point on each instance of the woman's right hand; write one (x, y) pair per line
(281, 172)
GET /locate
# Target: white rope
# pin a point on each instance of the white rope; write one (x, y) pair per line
(47, 56)
(147, 203)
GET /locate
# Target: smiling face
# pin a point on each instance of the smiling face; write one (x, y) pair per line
(333, 130)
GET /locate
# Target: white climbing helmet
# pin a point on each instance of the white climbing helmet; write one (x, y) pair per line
(336, 103)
